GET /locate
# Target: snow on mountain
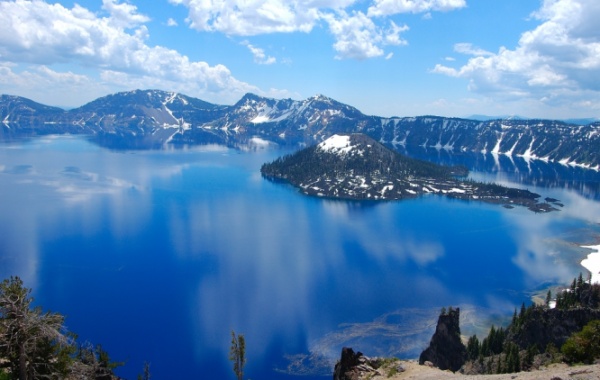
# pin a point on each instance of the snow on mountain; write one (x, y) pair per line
(336, 144)
(158, 117)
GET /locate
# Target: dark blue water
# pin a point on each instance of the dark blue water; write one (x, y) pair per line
(158, 255)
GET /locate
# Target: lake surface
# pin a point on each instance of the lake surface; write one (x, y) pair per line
(159, 254)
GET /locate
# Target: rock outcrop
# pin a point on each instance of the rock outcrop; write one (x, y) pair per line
(355, 366)
(446, 350)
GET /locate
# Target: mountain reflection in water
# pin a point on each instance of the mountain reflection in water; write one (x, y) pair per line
(159, 254)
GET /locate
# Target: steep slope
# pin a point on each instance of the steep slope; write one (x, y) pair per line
(15, 110)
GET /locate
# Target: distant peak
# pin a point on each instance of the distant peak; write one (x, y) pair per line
(251, 96)
(320, 97)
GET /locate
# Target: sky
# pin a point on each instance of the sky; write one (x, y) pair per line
(531, 58)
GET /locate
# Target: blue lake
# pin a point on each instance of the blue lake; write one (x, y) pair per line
(159, 254)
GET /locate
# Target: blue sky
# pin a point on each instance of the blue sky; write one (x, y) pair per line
(533, 58)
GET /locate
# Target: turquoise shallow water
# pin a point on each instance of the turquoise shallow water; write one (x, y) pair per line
(158, 255)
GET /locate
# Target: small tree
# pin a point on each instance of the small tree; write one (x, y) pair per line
(146, 374)
(473, 347)
(237, 354)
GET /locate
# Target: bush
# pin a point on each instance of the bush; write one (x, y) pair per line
(584, 346)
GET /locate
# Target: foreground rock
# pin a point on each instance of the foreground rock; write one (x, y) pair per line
(446, 350)
(356, 366)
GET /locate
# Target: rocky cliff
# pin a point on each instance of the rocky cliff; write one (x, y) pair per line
(446, 350)
(544, 326)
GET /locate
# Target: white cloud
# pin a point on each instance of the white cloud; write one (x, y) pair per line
(46, 85)
(35, 32)
(246, 18)
(469, 49)
(259, 54)
(356, 34)
(557, 63)
(123, 15)
(171, 22)
(359, 37)
(391, 7)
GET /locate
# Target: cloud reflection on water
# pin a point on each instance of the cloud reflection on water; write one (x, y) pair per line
(283, 269)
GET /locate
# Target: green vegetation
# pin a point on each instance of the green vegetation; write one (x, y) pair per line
(237, 354)
(515, 348)
(36, 345)
(584, 346)
(580, 294)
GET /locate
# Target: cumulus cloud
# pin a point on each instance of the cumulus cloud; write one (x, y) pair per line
(391, 7)
(357, 35)
(123, 15)
(246, 18)
(556, 62)
(32, 82)
(259, 54)
(35, 32)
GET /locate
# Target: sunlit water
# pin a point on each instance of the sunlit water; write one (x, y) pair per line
(158, 255)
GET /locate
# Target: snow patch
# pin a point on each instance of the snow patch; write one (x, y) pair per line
(336, 144)
(260, 119)
(496, 149)
(592, 263)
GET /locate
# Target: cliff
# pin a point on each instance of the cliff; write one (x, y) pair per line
(544, 326)
(446, 350)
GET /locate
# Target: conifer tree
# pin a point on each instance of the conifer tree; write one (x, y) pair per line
(32, 342)
(237, 354)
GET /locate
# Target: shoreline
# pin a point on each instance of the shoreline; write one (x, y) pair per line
(592, 262)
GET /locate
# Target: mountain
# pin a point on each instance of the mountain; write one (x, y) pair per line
(154, 117)
(359, 168)
(487, 117)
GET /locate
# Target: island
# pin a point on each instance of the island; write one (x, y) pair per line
(356, 167)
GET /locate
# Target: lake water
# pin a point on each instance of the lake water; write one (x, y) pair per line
(159, 254)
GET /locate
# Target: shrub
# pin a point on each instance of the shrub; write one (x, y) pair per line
(583, 346)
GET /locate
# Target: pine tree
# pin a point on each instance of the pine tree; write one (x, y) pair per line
(32, 342)
(237, 354)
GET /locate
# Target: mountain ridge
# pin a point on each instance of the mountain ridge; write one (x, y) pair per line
(156, 117)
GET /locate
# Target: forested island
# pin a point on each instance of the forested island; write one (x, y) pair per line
(356, 167)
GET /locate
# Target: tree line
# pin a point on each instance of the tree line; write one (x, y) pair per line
(499, 352)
